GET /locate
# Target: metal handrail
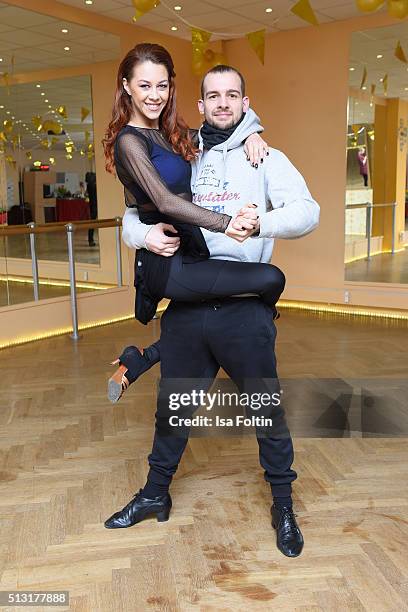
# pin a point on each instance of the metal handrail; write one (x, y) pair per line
(59, 226)
(32, 229)
(369, 221)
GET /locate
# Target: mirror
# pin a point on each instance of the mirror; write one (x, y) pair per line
(376, 211)
(47, 160)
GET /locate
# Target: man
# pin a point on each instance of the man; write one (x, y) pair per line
(237, 333)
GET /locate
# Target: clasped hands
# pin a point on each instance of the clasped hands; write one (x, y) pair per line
(243, 225)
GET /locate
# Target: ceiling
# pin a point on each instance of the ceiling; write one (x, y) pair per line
(37, 42)
(220, 16)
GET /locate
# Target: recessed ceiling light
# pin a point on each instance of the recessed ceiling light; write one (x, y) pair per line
(49, 106)
(268, 10)
(351, 69)
(12, 116)
(406, 88)
(66, 48)
(42, 93)
(178, 7)
(174, 28)
(1, 106)
(38, 85)
(379, 56)
(7, 112)
(1, 59)
(64, 31)
(88, 1)
(45, 100)
(364, 87)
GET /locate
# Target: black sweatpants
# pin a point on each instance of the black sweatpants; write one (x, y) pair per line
(237, 334)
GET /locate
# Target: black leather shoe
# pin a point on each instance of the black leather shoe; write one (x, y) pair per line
(289, 538)
(139, 508)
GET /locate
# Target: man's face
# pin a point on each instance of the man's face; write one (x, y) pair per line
(223, 103)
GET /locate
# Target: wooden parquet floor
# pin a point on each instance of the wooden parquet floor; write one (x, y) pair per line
(69, 459)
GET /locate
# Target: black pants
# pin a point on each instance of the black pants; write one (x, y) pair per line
(214, 278)
(237, 334)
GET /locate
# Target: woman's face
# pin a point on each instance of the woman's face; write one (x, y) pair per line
(149, 88)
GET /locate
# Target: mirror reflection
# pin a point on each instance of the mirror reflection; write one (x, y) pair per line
(376, 211)
(47, 157)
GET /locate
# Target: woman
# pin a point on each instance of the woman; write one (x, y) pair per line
(150, 148)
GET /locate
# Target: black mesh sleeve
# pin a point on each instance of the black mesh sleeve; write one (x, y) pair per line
(133, 155)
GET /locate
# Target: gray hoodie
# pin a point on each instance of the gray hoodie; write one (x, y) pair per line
(224, 181)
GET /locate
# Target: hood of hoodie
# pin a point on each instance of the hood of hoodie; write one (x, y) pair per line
(249, 125)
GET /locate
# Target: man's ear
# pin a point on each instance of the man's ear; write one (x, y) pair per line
(200, 105)
(245, 104)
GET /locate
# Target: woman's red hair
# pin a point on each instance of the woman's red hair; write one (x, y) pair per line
(172, 125)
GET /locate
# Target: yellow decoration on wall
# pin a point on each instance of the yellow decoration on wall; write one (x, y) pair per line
(50, 125)
(68, 156)
(364, 78)
(87, 134)
(84, 112)
(399, 53)
(143, 6)
(29, 155)
(82, 152)
(355, 127)
(257, 42)
(303, 10)
(62, 111)
(369, 5)
(200, 37)
(8, 125)
(37, 121)
(52, 161)
(398, 8)
(3, 136)
(90, 154)
(45, 143)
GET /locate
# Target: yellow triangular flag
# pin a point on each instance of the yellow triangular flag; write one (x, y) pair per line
(257, 42)
(385, 83)
(29, 155)
(399, 53)
(355, 127)
(61, 110)
(143, 6)
(364, 77)
(200, 37)
(84, 112)
(303, 10)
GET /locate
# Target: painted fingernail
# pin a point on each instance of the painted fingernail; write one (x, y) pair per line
(256, 165)
(267, 152)
(261, 160)
(247, 158)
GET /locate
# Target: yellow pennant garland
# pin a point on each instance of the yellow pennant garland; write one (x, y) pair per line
(52, 161)
(355, 127)
(37, 122)
(45, 143)
(203, 58)
(257, 42)
(8, 125)
(399, 53)
(10, 160)
(62, 111)
(3, 136)
(385, 84)
(369, 5)
(303, 10)
(29, 155)
(84, 113)
(364, 78)
(398, 8)
(143, 6)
